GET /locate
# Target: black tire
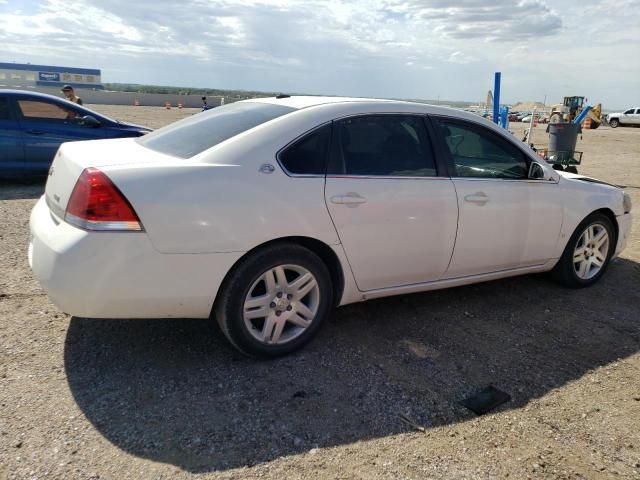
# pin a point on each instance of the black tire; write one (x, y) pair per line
(571, 169)
(564, 271)
(228, 308)
(614, 123)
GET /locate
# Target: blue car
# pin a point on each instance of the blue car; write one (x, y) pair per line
(33, 125)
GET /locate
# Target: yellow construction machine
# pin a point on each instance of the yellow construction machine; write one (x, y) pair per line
(570, 110)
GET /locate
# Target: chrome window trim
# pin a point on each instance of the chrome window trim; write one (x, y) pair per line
(493, 179)
(389, 177)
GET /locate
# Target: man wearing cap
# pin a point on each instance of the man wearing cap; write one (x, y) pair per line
(71, 95)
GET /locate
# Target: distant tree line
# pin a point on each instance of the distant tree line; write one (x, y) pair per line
(213, 92)
(233, 95)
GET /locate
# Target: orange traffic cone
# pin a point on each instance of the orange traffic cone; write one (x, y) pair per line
(586, 125)
(136, 103)
(167, 105)
(179, 105)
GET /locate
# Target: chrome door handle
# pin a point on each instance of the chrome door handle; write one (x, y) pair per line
(350, 199)
(479, 198)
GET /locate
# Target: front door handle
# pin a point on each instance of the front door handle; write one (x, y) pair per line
(479, 198)
(350, 199)
(35, 132)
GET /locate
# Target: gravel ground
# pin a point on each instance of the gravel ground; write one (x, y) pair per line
(114, 399)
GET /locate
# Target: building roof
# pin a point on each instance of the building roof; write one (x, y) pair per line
(48, 68)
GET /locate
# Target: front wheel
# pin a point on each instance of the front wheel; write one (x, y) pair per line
(588, 253)
(275, 301)
(614, 122)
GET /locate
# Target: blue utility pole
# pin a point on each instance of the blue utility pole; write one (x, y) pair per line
(496, 98)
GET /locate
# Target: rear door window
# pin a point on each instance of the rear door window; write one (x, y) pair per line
(191, 136)
(387, 145)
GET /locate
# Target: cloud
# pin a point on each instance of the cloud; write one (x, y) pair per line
(477, 19)
(398, 48)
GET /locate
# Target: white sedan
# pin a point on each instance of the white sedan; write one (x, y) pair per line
(265, 214)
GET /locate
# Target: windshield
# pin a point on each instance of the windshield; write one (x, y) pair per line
(193, 135)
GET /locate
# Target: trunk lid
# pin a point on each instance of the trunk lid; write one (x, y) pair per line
(73, 157)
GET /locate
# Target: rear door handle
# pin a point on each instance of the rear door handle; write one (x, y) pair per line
(35, 132)
(350, 199)
(479, 198)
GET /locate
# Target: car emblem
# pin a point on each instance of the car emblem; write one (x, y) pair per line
(267, 168)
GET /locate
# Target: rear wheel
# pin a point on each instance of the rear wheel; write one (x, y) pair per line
(275, 301)
(614, 122)
(588, 253)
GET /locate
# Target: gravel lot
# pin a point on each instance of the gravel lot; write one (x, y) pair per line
(115, 399)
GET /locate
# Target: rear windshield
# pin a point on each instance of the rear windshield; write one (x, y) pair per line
(193, 135)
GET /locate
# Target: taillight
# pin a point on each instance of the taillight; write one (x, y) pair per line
(97, 204)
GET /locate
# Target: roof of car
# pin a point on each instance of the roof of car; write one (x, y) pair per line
(312, 101)
(10, 91)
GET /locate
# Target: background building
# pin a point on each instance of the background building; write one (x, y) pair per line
(26, 75)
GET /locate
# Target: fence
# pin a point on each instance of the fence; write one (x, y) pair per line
(104, 97)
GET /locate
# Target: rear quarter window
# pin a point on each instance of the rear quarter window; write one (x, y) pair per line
(308, 155)
(191, 136)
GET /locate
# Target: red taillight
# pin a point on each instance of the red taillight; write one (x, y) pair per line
(97, 204)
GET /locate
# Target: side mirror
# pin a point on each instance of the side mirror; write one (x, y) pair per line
(89, 121)
(536, 172)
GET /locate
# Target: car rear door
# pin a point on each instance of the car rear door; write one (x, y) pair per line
(45, 125)
(506, 220)
(11, 142)
(396, 218)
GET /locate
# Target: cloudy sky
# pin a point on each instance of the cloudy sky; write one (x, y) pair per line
(425, 49)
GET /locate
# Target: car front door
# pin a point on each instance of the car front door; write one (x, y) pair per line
(627, 117)
(11, 143)
(506, 220)
(45, 125)
(396, 218)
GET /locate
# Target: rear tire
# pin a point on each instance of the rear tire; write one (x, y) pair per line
(614, 122)
(587, 254)
(261, 309)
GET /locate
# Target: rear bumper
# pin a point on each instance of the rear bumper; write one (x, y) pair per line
(624, 232)
(120, 274)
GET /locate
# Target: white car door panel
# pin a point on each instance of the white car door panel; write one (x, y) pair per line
(399, 231)
(396, 219)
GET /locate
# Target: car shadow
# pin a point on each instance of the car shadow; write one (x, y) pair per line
(174, 391)
(21, 189)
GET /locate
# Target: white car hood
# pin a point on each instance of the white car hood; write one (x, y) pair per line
(584, 178)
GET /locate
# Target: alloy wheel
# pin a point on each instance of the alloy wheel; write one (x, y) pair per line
(281, 304)
(591, 251)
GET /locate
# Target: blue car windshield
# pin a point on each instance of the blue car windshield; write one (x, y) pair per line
(194, 135)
